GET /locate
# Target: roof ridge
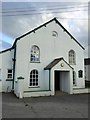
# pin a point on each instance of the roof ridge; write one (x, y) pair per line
(58, 58)
(33, 30)
(44, 24)
(54, 62)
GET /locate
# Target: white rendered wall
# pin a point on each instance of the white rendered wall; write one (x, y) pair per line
(5, 64)
(50, 48)
(65, 81)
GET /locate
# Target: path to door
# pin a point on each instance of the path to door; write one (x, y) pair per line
(60, 93)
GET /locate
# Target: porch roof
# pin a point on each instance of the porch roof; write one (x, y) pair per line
(54, 62)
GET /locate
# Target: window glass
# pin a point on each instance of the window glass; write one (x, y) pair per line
(34, 78)
(72, 59)
(80, 73)
(74, 78)
(35, 54)
(9, 74)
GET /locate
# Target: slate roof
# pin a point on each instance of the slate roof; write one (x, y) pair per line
(54, 62)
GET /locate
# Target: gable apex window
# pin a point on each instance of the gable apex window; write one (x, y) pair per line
(54, 34)
(35, 54)
(72, 57)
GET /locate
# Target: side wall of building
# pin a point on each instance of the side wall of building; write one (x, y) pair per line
(87, 74)
(5, 64)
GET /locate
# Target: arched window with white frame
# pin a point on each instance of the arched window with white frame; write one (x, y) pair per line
(33, 78)
(35, 54)
(72, 57)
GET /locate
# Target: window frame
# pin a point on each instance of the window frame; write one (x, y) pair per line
(10, 74)
(54, 34)
(34, 78)
(80, 74)
(31, 56)
(72, 57)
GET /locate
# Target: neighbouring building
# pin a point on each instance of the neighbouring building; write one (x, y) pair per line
(42, 61)
(87, 69)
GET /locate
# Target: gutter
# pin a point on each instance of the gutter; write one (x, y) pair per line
(14, 61)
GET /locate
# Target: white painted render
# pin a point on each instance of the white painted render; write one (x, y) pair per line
(5, 64)
(81, 90)
(50, 48)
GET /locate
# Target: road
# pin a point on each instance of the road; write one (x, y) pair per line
(59, 106)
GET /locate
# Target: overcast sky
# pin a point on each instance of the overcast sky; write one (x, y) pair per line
(21, 17)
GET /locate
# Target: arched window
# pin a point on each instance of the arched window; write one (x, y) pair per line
(34, 78)
(80, 73)
(35, 54)
(72, 59)
(74, 78)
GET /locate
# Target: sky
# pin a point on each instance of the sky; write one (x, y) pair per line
(17, 18)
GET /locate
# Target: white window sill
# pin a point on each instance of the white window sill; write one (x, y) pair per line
(34, 61)
(74, 86)
(34, 86)
(72, 64)
(9, 79)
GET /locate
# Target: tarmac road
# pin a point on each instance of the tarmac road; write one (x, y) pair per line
(58, 106)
